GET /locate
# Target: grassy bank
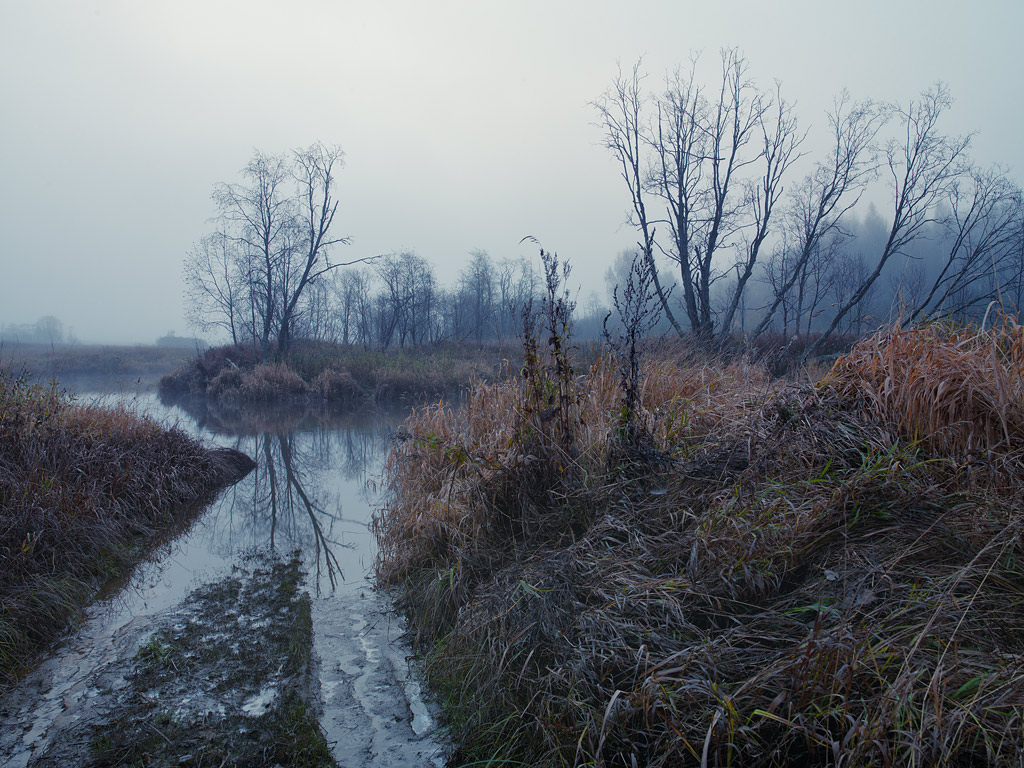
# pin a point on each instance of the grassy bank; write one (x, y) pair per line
(331, 373)
(83, 491)
(726, 569)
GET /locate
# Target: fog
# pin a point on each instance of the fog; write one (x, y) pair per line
(466, 125)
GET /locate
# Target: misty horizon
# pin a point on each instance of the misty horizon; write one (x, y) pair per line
(464, 128)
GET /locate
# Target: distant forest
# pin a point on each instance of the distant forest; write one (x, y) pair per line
(731, 242)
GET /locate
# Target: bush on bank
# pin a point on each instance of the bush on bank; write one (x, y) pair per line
(330, 373)
(740, 571)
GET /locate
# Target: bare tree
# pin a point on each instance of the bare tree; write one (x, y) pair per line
(716, 163)
(516, 285)
(213, 285)
(313, 170)
(622, 118)
(983, 230)
(816, 209)
(257, 216)
(778, 151)
(922, 165)
(407, 306)
(350, 289)
(261, 271)
(478, 289)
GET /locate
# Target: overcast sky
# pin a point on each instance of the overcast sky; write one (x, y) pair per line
(466, 125)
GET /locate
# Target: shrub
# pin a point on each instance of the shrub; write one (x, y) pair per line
(337, 387)
(225, 384)
(272, 382)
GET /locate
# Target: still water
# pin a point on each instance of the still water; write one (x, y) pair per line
(314, 491)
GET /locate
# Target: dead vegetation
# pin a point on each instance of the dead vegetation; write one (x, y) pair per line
(83, 491)
(226, 680)
(829, 573)
(330, 373)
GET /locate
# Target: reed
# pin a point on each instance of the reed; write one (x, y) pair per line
(790, 574)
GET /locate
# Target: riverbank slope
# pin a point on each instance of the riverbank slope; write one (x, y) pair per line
(701, 565)
(85, 492)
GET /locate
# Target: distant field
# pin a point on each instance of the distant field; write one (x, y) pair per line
(77, 364)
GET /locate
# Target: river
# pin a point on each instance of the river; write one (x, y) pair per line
(313, 491)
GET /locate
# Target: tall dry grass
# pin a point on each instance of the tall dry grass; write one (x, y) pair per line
(82, 491)
(960, 390)
(792, 575)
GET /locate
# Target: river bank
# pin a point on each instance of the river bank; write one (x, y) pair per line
(222, 678)
(331, 374)
(307, 494)
(86, 492)
(88, 367)
(721, 568)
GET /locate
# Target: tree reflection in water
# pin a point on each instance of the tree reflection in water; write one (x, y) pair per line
(308, 491)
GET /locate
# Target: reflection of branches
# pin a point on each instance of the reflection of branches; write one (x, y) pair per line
(268, 459)
(307, 463)
(322, 542)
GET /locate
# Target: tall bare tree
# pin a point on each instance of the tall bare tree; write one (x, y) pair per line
(813, 218)
(257, 215)
(983, 232)
(213, 284)
(714, 163)
(627, 137)
(274, 243)
(313, 170)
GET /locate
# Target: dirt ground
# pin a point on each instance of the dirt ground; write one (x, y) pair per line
(230, 676)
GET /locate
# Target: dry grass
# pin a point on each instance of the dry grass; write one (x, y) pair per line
(959, 390)
(271, 382)
(787, 575)
(333, 374)
(82, 488)
(62, 362)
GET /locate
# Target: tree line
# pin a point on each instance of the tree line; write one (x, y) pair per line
(268, 273)
(733, 239)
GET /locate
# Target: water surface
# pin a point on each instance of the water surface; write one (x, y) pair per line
(314, 491)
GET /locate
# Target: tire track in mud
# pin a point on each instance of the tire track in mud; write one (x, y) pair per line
(370, 706)
(375, 715)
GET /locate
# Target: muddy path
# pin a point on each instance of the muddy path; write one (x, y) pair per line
(253, 639)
